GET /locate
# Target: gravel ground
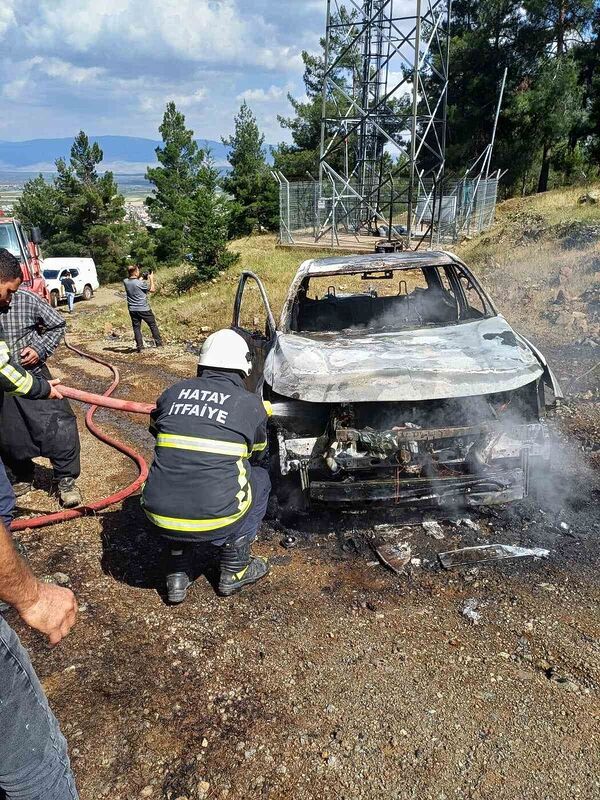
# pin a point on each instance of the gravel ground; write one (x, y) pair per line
(334, 677)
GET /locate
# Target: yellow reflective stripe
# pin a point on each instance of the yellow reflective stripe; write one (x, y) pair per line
(243, 482)
(22, 381)
(239, 575)
(201, 445)
(177, 524)
(258, 447)
(268, 407)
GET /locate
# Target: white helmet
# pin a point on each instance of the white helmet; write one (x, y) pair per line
(226, 349)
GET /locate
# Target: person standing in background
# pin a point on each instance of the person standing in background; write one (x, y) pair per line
(137, 290)
(68, 285)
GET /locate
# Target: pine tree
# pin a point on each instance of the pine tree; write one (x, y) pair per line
(209, 225)
(249, 182)
(176, 181)
(553, 107)
(81, 213)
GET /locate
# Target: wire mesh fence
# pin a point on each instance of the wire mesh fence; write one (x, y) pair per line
(336, 215)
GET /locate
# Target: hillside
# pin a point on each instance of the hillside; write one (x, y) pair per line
(335, 677)
(537, 246)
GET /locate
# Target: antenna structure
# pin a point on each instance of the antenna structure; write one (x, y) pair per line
(383, 126)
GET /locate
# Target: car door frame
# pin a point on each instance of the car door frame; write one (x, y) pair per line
(258, 343)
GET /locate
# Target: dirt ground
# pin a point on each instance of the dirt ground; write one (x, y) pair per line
(334, 677)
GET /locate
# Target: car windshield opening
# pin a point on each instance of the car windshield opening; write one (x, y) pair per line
(9, 240)
(388, 300)
(50, 274)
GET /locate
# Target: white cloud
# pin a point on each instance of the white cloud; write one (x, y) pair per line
(197, 31)
(69, 73)
(7, 16)
(15, 89)
(263, 95)
(111, 66)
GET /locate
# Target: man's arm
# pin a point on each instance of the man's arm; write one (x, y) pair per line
(151, 284)
(50, 329)
(17, 381)
(46, 608)
(154, 415)
(259, 446)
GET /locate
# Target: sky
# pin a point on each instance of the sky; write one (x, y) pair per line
(110, 66)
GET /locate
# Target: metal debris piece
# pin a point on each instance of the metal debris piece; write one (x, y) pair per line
(468, 523)
(488, 552)
(289, 541)
(433, 528)
(395, 555)
(469, 611)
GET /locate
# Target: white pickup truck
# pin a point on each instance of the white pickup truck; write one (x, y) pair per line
(83, 272)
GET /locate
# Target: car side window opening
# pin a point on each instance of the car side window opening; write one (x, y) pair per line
(252, 314)
(380, 301)
(476, 306)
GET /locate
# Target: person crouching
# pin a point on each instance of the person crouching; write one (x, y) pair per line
(203, 485)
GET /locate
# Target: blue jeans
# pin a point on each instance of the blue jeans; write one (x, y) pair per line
(7, 499)
(70, 300)
(34, 764)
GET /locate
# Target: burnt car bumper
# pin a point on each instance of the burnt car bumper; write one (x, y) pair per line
(496, 487)
(416, 467)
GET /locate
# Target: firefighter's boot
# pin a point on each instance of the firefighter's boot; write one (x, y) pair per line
(67, 492)
(238, 567)
(179, 574)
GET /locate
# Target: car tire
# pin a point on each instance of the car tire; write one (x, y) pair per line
(54, 298)
(88, 292)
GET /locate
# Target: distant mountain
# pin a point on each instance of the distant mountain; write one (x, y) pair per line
(123, 154)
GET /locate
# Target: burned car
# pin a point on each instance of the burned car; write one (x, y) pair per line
(394, 379)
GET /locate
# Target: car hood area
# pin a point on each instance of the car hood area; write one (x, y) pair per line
(461, 360)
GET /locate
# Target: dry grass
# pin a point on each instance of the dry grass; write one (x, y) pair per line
(521, 258)
(528, 245)
(183, 315)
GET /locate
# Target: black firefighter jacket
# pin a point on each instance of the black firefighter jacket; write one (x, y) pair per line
(16, 380)
(206, 430)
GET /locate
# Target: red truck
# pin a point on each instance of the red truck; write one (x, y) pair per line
(26, 248)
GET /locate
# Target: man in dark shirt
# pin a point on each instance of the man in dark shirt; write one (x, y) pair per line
(68, 285)
(137, 291)
(28, 428)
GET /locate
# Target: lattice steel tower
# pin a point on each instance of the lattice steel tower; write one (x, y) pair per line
(383, 126)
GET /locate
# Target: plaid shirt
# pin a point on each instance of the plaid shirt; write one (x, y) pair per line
(31, 322)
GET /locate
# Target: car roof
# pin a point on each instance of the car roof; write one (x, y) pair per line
(377, 261)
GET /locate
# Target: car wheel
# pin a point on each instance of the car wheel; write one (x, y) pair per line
(88, 292)
(54, 297)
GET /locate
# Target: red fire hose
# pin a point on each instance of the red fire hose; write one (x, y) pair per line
(107, 402)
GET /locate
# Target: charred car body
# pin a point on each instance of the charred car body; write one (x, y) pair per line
(394, 379)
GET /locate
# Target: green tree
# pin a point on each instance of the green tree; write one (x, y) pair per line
(209, 225)
(176, 181)
(141, 246)
(39, 204)
(552, 107)
(80, 212)
(249, 182)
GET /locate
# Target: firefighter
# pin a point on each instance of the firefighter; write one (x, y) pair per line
(206, 483)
